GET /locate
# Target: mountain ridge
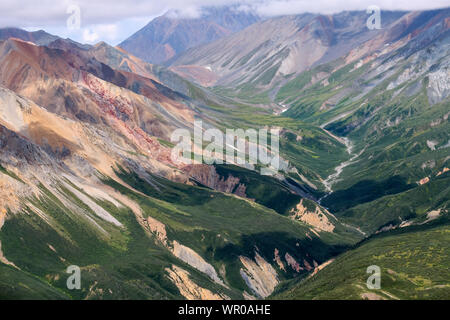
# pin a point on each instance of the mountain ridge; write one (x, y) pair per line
(87, 177)
(168, 35)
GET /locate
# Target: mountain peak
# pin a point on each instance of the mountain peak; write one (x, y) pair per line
(39, 37)
(175, 32)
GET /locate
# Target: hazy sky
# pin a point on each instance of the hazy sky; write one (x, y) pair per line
(113, 21)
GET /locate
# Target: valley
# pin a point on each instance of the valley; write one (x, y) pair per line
(88, 177)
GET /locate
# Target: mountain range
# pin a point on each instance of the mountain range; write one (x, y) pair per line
(171, 34)
(87, 176)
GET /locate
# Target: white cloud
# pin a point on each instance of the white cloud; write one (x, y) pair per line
(50, 12)
(89, 36)
(284, 7)
(190, 12)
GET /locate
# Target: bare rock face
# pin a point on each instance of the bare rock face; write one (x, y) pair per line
(259, 275)
(171, 34)
(182, 252)
(188, 288)
(317, 218)
(424, 181)
(292, 262)
(277, 259)
(195, 260)
(443, 171)
(439, 85)
(284, 45)
(208, 176)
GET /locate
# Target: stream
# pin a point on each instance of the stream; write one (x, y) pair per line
(334, 177)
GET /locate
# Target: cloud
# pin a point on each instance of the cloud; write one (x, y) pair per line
(190, 12)
(285, 7)
(104, 32)
(89, 36)
(97, 17)
(49, 12)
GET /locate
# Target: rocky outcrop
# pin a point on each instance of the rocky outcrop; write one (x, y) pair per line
(277, 259)
(317, 218)
(193, 259)
(98, 210)
(208, 176)
(320, 267)
(182, 252)
(439, 85)
(307, 265)
(259, 275)
(433, 215)
(292, 263)
(443, 171)
(188, 288)
(158, 229)
(424, 181)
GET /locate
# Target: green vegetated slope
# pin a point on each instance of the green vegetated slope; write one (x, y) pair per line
(414, 264)
(129, 263)
(115, 262)
(16, 284)
(227, 233)
(395, 115)
(398, 126)
(264, 190)
(312, 152)
(395, 192)
(411, 206)
(399, 130)
(401, 138)
(394, 159)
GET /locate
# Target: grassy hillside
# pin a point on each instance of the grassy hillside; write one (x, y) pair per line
(127, 263)
(414, 264)
(15, 284)
(392, 210)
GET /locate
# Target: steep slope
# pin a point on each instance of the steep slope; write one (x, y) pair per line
(284, 46)
(79, 206)
(115, 57)
(86, 176)
(413, 265)
(387, 100)
(392, 108)
(85, 180)
(77, 85)
(171, 34)
(38, 37)
(119, 59)
(74, 84)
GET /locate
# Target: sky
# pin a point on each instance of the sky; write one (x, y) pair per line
(112, 21)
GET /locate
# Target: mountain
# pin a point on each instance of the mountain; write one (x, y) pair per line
(171, 34)
(87, 177)
(65, 196)
(385, 98)
(58, 80)
(284, 46)
(404, 275)
(391, 108)
(38, 37)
